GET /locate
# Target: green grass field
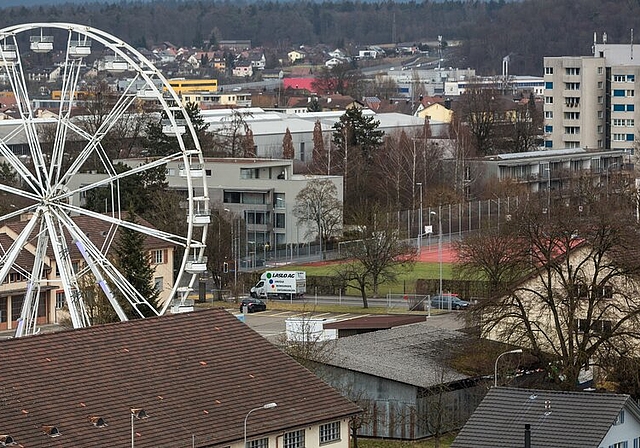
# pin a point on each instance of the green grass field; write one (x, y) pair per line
(406, 280)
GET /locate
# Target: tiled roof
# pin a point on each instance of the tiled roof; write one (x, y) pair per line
(557, 419)
(411, 354)
(195, 374)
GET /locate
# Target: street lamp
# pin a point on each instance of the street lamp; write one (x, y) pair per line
(264, 406)
(495, 369)
(440, 252)
(419, 184)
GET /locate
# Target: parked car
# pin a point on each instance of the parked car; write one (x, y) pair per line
(442, 302)
(253, 305)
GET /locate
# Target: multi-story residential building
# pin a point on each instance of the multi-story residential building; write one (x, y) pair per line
(589, 101)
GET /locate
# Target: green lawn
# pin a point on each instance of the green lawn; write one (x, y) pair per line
(406, 280)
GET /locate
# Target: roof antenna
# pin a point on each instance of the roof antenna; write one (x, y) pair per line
(604, 37)
(631, 43)
(595, 40)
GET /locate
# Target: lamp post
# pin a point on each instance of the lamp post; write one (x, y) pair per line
(419, 184)
(264, 406)
(495, 368)
(440, 253)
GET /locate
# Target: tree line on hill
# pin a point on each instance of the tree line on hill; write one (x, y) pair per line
(487, 31)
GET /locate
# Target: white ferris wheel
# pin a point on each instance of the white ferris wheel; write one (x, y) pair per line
(50, 227)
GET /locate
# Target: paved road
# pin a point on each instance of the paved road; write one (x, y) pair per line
(271, 323)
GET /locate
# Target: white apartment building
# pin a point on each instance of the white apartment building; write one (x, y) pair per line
(589, 101)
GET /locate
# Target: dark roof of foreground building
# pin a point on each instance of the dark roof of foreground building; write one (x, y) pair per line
(195, 375)
(557, 419)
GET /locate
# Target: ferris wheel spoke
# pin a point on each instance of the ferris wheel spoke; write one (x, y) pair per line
(17, 191)
(100, 264)
(73, 293)
(70, 78)
(94, 141)
(115, 177)
(14, 161)
(8, 259)
(18, 83)
(155, 233)
(31, 302)
(14, 214)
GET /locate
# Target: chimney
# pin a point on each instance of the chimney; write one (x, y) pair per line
(527, 436)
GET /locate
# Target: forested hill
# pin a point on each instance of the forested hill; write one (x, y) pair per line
(526, 30)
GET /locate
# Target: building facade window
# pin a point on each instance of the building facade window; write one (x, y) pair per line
(548, 70)
(548, 100)
(572, 130)
(619, 78)
(548, 85)
(259, 443)
(572, 71)
(618, 92)
(618, 108)
(60, 301)
(157, 256)
(548, 114)
(293, 439)
(600, 85)
(280, 221)
(572, 101)
(278, 200)
(619, 137)
(548, 128)
(157, 283)
(572, 86)
(572, 115)
(329, 432)
(548, 144)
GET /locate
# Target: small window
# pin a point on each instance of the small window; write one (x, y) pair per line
(548, 128)
(157, 283)
(259, 443)
(548, 144)
(548, 85)
(618, 92)
(60, 301)
(293, 439)
(548, 70)
(631, 108)
(329, 432)
(548, 114)
(618, 107)
(157, 256)
(620, 418)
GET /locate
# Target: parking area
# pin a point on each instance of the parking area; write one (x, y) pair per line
(271, 323)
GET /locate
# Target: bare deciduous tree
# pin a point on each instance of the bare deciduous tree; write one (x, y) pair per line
(376, 255)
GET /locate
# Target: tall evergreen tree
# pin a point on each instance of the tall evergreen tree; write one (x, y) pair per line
(288, 151)
(319, 163)
(134, 262)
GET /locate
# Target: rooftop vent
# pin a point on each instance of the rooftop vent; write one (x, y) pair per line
(139, 413)
(51, 431)
(97, 421)
(6, 440)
